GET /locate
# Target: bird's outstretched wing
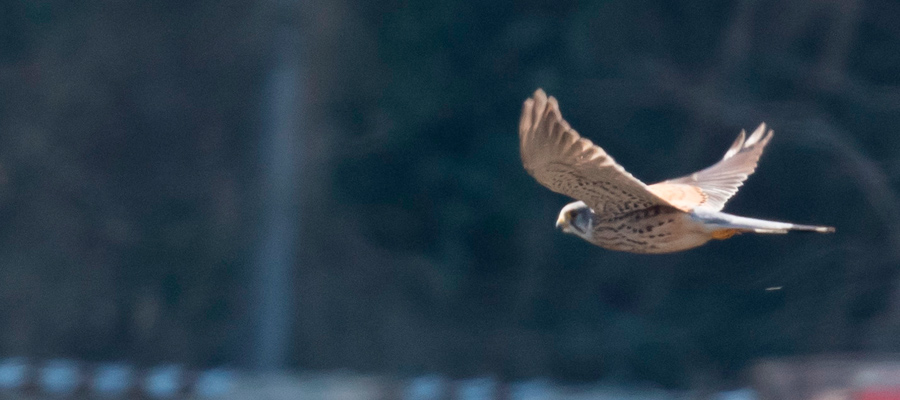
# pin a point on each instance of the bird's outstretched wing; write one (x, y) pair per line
(713, 186)
(560, 159)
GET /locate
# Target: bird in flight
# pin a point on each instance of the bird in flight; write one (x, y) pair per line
(617, 211)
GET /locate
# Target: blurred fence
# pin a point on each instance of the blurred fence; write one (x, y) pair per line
(63, 378)
(809, 378)
(69, 379)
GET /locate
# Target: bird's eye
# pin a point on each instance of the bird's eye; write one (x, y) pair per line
(572, 215)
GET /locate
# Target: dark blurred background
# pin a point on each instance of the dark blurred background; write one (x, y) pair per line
(336, 184)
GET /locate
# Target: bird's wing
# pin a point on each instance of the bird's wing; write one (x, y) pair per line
(713, 186)
(560, 159)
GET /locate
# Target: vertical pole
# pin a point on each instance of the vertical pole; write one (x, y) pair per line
(280, 153)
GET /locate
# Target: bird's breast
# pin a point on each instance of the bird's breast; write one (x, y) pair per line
(652, 230)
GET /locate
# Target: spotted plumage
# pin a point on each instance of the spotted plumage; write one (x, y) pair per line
(617, 211)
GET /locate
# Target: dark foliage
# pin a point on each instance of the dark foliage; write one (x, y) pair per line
(130, 198)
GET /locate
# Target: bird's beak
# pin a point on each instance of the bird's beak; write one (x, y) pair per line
(560, 222)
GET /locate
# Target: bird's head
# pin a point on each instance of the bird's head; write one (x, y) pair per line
(575, 218)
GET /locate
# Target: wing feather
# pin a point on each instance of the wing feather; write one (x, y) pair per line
(721, 180)
(560, 159)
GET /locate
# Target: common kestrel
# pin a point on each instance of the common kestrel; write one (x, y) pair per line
(617, 211)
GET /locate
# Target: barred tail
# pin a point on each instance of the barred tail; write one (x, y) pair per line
(721, 224)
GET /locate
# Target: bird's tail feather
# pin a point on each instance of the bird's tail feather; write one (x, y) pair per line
(719, 221)
(812, 228)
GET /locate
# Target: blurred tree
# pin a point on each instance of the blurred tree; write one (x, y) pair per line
(131, 139)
